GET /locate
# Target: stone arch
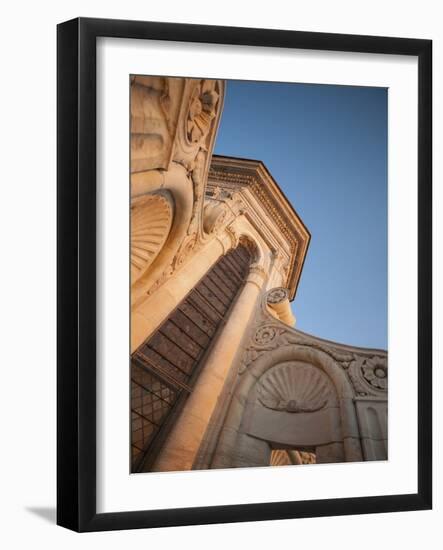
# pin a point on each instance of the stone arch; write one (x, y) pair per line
(252, 243)
(234, 435)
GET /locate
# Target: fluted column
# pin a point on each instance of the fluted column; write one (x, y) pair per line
(182, 445)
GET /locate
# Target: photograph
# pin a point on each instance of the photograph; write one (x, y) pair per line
(258, 274)
(233, 275)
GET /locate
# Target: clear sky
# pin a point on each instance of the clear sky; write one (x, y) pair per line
(326, 146)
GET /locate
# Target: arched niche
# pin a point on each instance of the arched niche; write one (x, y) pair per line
(176, 187)
(151, 221)
(250, 241)
(320, 414)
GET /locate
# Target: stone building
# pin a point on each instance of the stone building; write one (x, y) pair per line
(220, 377)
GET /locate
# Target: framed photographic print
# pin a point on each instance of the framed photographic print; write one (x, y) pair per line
(244, 253)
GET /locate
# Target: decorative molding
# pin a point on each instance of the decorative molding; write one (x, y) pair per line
(214, 215)
(269, 336)
(265, 335)
(234, 174)
(195, 140)
(201, 112)
(186, 249)
(376, 373)
(196, 131)
(160, 280)
(263, 194)
(174, 122)
(294, 388)
(365, 368)
(277, 295)
(369, 375)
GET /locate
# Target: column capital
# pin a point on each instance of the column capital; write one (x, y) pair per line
(228, 239)
(257, 275)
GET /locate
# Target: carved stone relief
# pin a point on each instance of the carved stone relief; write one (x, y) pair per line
(215, 213)
(202, 111)
(367, 371)
(375, 372)
(265, 335)
(294, 388)
(281, 457)
(252, 177)
(277, 295)
(187, 246)
(269, 336)
(151, 220)
(173, 124)
(369, 375)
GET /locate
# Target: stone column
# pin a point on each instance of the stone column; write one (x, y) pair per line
(147, 317)
(181, 447)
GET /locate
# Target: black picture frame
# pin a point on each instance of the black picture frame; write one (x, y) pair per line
(76, 279)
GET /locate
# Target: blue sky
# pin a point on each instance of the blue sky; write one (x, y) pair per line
(326, 146)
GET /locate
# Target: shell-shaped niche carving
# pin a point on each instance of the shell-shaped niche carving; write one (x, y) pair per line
(279, 457)
(151, 221)
(294, 387)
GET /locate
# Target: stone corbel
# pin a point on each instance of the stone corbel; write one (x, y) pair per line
(215, 213)
(277, 303)
(220, 209)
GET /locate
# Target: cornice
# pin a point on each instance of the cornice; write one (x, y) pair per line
(234, 174)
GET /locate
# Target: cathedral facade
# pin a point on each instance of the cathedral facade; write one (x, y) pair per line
(220, 378)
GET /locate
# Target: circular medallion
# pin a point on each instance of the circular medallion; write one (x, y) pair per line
(265, 335)
(375, 372)
(277, 295)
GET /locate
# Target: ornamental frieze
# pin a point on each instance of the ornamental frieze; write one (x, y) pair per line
(367, 371)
